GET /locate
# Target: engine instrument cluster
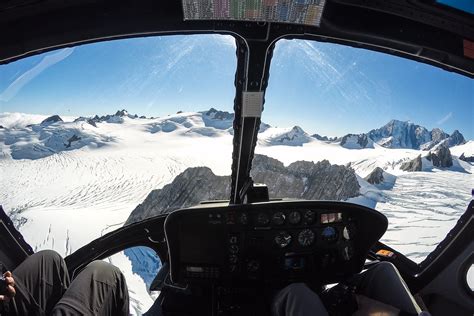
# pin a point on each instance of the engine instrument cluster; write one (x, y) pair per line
(271, 242)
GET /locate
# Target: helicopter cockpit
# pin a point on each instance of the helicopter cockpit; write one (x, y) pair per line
(295, 207)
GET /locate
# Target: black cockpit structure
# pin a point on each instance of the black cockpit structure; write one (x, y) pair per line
(332, 240)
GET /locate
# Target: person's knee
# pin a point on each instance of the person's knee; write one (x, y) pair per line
(386, 267)
(294, 289)
(102, 266)
(297, 287)
(47, 256)
(105, 271)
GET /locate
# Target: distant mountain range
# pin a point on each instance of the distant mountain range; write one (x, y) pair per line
(394, 134)
(53, 134)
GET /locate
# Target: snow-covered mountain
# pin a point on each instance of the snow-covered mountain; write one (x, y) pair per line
(58, 172)
(23, 137)
(399, 134)
(294, 136)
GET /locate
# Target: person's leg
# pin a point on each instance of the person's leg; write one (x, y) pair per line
(100, 289)
(297, 299)
(383, 283)
(40, 282)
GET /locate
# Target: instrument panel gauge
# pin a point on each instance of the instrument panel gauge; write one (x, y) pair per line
(278, 218)
(262, 219)
(306, 237)
(253, 266)
(243, 219)
(309, 217)
(283, 239)
(295, 217)
(329, 234)
(233, 249)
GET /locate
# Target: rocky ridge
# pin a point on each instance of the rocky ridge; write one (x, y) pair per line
(440, 156)
(300, 180)
(376, 176)
(412, 165)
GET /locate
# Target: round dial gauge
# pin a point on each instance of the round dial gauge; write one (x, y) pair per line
(278, 218)
(295, 217)
(263, 219)
(253, 266)
(283, 239)
(309, 217)
(306, 237)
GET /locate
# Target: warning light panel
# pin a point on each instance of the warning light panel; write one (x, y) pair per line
(306, 12)
(331, 218)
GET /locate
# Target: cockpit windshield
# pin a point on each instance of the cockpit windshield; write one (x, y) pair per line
(344, 123)
(107, 134)
(100, 135)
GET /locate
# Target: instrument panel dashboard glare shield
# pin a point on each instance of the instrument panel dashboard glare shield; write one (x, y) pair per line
(222, 251)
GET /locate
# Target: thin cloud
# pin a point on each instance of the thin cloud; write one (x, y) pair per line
(29, 75)
(445, 118)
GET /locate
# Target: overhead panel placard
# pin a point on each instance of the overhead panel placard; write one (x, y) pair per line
(252, 105)
(307, 12)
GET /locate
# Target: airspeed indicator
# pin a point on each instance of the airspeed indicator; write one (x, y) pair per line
(306, 237)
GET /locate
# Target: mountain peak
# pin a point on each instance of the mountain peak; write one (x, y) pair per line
(121, 113)
(297, 129)
(219, 115)
(52, 119)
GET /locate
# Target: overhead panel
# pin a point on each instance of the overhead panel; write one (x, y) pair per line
(306, 12)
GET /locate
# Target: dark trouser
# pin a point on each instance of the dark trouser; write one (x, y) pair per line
(43, 288)
(381, 282)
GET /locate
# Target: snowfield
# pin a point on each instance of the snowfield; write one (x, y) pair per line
(64, 191)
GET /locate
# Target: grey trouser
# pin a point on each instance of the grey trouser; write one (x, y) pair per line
(382, 282)
(43, 288)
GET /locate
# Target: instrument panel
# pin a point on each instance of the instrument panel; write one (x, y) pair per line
(271, 242)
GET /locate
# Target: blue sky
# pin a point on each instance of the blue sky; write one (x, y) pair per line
(325, 88)
(464, 5)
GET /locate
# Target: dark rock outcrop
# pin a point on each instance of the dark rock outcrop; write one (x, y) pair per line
(412, 165)
(1, 127)
(305, 180)
(437, 135)
(319, 137)
(88, 120)
(375, 177)
(466, 159)
(219, 115)
(360, 139)
(456, 138)
(189, 188)
(441, 156)
(324, 138)
(301, 179)
(52, 119)
(73, 138)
